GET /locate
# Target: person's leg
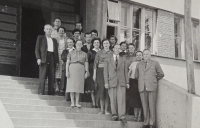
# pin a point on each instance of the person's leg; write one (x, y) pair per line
(152, 106)
(72, 99)
(102, 102)
(97, 102)
(139, 114)
(93, 99)
(135, 114)
(50, 74)
(106, 106)
(113, 101)
(42, 76)
(145, 106)
(77, 100)
(121, 101)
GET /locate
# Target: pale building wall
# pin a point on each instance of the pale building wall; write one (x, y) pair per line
(175, 6)
(175, 72)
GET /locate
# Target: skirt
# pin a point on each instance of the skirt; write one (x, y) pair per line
(101, 91)
(75, 82)
(133, 95)
(89, 82)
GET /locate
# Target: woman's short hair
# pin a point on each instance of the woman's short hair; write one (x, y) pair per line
(114, 37)
(72, 39)
(95, 31)
(76, 30)
(101, 45)
(79, 40)
(95, 40)
(62, 28)
(131, 44)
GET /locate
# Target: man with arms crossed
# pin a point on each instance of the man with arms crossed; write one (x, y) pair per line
(148, 72)
(116, 81)
(46, 52)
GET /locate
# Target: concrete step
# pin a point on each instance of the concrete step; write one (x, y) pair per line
(31, 96)
(61, 115)
(19, 86)
(18, 78)
(18, 90)
(37, 108)
(46, 127)
(41, 102)
(4, 81)
(74, 123)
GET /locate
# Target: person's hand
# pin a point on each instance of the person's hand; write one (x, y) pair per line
(67, 74)
(86, 75)
(39, 61)
(127, 86)
(94, 78)
(106, 86)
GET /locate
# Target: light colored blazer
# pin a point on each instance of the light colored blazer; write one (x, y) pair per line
(114, 75)
(148, 77)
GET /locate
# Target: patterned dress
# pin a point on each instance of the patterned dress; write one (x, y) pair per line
(61, 47)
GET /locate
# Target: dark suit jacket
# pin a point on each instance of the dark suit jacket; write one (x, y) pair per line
(113, 74)
(148, 77)
(41, 49)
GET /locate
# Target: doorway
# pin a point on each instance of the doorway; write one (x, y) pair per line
(32, 25)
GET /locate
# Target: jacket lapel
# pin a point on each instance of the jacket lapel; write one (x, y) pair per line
(112, 61)
(119, 62)
(45, 41)
(148, 65)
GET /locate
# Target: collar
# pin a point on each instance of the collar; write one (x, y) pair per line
(48, 37)
(95, 50)
(106, 51)
(71, 48)
(146, 61)
(115, 56)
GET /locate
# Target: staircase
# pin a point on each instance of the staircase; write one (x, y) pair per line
(27, 109)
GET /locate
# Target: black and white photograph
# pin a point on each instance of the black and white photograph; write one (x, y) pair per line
(99, 63)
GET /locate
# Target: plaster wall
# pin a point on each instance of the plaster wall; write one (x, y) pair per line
(176, 108)
(175, 72)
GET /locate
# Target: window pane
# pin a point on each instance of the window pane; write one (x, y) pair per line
(136, 17)
(124, 36)
(136, 39)
(149, 29)
(177, 37)
(124, 11)
(196, 40)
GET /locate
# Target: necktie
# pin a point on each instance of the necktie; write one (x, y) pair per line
(116, 61)
(145, 64)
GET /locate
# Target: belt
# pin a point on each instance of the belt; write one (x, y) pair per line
(76, 63)
(101, 65)
(49, 52)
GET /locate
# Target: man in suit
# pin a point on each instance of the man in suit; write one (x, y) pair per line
(148, 73)
(46, 52)
(116, 81)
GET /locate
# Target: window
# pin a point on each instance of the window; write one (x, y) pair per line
(136, 32)
(196, 39)
(177, 36)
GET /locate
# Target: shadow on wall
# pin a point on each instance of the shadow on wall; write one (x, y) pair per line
(176, 108)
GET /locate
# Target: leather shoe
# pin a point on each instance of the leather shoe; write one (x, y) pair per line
(123, 120)
(114, 118)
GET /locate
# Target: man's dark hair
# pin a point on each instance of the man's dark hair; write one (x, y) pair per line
(138, 52)
(122, 43)
(78, 23)
(131, 44)
(87, 33)
(76, 30)
(95, 31)
(58, 19)
(114, 37)
(62, 28)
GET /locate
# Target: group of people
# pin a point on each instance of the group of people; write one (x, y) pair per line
(115, 75)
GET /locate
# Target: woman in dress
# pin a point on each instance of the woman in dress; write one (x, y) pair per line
(69, 48)
(62, 43)
(76, 72)
(130, 57)
(90, 84)
(133, 93)
(102, 92)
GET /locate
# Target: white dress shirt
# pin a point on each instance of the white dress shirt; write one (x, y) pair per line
(114, 56)
(70, 49)
(49, 44)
